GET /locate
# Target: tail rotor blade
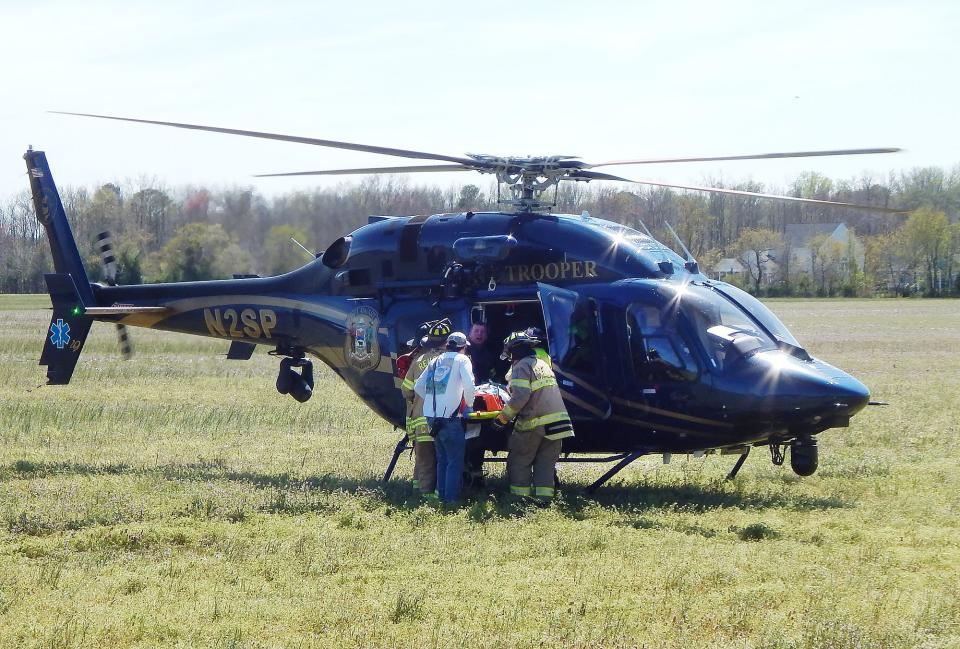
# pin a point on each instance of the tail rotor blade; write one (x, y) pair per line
(105, 248)
(123, 339)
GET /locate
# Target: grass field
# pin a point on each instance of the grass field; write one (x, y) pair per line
(178, 500)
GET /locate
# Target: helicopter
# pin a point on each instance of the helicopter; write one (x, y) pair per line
(651, 355)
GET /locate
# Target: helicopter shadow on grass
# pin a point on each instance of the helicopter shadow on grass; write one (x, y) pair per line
(634, 499)
(484, 504)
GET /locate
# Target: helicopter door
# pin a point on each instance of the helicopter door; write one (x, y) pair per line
(572, 326)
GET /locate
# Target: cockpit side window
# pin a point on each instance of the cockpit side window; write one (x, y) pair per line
(582, 348)
(658, 351)
(572, 329)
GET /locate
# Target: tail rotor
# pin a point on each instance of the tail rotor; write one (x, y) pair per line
(109, 261)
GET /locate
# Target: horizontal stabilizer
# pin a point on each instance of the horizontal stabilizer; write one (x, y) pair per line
(124, 310)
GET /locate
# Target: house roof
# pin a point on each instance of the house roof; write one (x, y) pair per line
(729, 265)
(799, 234)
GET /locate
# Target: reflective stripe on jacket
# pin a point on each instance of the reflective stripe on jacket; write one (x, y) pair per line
(541, 354)
(535, 399)
(417, 428)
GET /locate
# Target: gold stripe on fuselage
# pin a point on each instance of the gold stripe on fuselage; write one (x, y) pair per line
(186, 305)
(582, 404)
(332, 354)
(670, 413)
(664, 427)
(582, 383)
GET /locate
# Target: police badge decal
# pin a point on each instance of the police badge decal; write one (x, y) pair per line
(361, 349)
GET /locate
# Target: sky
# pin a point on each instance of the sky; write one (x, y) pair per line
(602, 80)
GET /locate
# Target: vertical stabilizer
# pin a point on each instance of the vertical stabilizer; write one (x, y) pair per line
(49, 210)
(69, 287)
(68, 329)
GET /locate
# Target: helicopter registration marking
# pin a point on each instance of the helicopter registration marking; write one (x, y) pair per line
(551, 271)
(252, 323)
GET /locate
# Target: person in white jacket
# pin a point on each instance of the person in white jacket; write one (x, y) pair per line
(447, 389)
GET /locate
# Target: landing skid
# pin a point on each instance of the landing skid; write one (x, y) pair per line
(622, 459)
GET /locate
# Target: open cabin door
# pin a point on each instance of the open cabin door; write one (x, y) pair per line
(573, 334)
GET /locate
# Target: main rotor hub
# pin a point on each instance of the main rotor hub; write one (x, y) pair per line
(528, 177)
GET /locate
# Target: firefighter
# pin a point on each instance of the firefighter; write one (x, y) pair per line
(424, 453)
(542, 421)
(404, 362)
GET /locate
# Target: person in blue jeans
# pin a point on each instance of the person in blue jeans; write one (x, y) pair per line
(451, 445)
(447, 389)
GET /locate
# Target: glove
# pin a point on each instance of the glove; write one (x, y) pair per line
(467, 412)
(499, 424)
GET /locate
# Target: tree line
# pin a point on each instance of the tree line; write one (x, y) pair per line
(191, 233)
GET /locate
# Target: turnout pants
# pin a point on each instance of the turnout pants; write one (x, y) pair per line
(425, 464)
(531, 460)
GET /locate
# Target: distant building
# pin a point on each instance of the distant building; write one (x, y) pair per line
(798, 236)
(768, 264)
(729, 266)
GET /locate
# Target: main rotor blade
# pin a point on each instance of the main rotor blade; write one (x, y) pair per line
(372, 170)
(594, 175)
(756, 156)
(402, 153)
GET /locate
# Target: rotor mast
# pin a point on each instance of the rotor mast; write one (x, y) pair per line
(527, 178)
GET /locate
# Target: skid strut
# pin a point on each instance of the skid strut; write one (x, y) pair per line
(617, 468)
(736, 467)
(397, 452)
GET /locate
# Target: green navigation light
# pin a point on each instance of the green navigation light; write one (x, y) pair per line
(77, 310)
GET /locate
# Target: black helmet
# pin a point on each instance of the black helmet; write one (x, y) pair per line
(516, 340)
(438, 331)
(420, 339)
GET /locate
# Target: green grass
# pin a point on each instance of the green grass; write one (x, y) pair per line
(10, 302)
(178, 500)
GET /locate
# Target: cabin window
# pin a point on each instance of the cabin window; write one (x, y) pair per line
(658, 352)
(436, 259)
(359, 277)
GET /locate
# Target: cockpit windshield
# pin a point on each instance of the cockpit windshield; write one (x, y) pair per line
(725, 330)
(625, 235)
(759, 311)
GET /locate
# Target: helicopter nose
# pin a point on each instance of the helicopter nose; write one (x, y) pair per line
(813, 386)
(848, 395)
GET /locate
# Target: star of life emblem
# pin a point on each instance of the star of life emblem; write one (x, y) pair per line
(60, 333)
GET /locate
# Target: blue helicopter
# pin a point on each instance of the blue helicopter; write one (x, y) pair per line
(651, 355)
